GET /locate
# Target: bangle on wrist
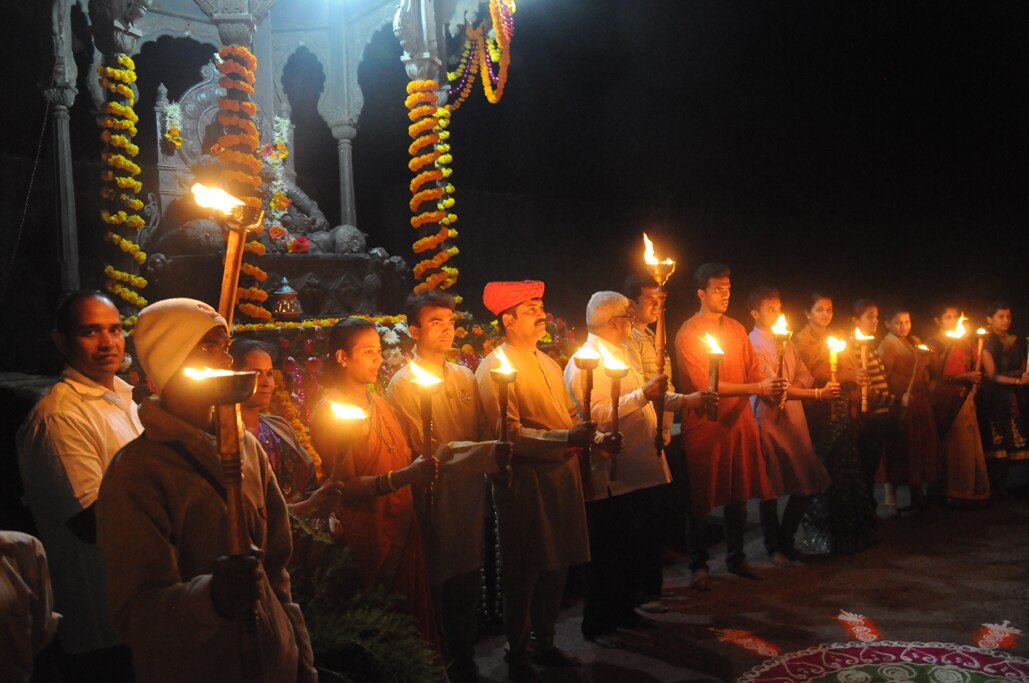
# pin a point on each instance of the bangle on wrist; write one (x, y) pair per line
(389, 482)
(818, 394)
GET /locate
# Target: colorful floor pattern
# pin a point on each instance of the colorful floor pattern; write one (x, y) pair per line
(868, 660)
(889, 661)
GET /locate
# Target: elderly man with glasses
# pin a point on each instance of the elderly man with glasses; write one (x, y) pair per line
(621, 480)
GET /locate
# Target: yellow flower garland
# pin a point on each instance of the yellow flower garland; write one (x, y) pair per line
(120, 276)
(118, 123)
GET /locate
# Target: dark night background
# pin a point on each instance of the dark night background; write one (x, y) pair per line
(861, 149)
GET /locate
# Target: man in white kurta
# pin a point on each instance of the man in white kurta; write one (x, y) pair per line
(455, 532)
(64, 448)
(617, 494)
(541, 516)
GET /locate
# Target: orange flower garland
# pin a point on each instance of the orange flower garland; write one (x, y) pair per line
(237, 154)
(119, 186)
(283, 406)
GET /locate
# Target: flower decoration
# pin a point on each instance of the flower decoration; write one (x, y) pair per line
(119, 187)
(429, 162)
(299, 245)
(485, 54)
(236, 151)
(274, 154)
(173, 126)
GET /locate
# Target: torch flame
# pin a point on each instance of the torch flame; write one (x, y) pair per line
(346, 411)
(712, 344)
(587, 353)
(610, 362)
(981, 332)
(835, 344)
(214, 198)
(505, 367)
(922, 347)
(648, 254)
(859, 336)
(206, 373)
(779, 328)
(959, 329)
(421, 375)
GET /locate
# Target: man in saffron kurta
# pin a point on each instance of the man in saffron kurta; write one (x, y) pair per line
(724, 459)
(541, 516)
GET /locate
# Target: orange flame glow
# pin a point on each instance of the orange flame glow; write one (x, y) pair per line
(346, 411)
(422, 376)
(648, 254)
(712, 344)
(859, 336)
(981, 332)
(610, 362)
(779, 328)
(505, 367)
(214, 198)
(206, 373)
(835, 344)
(587, 353)
(959, 329)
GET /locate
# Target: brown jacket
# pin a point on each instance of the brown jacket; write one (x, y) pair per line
(161, 526)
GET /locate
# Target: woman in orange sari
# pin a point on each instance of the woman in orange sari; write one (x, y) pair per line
(375, 464)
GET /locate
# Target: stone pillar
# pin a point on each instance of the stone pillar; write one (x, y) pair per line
(344, 132)
(61, 99)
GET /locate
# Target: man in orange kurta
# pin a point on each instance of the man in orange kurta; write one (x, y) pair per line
(723, 457)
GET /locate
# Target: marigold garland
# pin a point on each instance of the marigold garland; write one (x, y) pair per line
(252, 293)
(119, 185)
(254, 311)
(120, 276)
(425, 196)
(254, 272)
(255, 248)
(425, 177)
(283, 406)
(428, 131)
(128, 246)
(126, 294)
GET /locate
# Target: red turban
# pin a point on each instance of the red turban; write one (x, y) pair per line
(500, 296)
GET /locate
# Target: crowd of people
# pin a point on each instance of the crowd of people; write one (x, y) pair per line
(130, 504)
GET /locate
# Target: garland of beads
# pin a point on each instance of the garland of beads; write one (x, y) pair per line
(484, 57)
(237, 155)
(119, 186)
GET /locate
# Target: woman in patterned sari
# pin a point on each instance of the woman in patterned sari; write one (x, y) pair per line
(1002, 401)
(840, 519)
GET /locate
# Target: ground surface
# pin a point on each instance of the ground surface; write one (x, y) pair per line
(934, 577)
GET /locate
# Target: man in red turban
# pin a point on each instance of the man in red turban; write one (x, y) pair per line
(541, 515)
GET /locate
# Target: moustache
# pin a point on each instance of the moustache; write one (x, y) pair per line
(541, 321)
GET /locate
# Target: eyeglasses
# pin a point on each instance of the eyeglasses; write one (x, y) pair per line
(628, 316)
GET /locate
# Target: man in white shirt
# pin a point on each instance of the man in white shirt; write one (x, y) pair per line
(64, 447)
(620, 483)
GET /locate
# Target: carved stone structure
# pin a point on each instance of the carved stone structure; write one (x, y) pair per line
(336, 32)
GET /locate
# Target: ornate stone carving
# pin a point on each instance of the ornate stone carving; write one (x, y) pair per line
(115, 24)
(415, 27)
